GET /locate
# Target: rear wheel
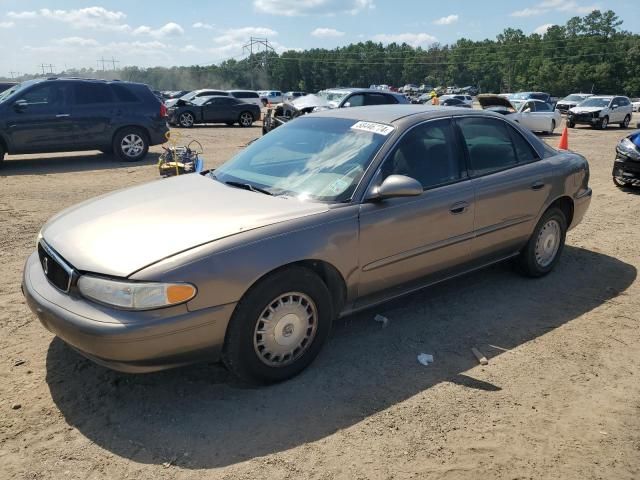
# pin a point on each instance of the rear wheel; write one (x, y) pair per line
(545, 246)
(131, 144)
(245, 119)
(570, 124)
(278, 327)
(625, 122)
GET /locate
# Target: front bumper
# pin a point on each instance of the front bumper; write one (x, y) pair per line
(627, 170)
(583, 119)
(133, 342)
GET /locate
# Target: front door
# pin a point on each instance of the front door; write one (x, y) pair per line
(405, 239)
(40, 120)
(512, 185)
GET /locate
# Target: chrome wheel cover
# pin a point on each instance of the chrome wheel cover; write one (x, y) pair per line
(246, 119)
(548, 243)
(285, 329)
(132, 145)
(186, 120)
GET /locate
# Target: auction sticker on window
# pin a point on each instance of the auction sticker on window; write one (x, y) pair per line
(373, 127)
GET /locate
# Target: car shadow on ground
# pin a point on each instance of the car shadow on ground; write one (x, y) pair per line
(42, 165)
(197, 417)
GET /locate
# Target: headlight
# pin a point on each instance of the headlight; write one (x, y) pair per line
(628, 149)
(38, 238)
(133, 295)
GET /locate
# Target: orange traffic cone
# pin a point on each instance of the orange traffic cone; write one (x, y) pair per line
(564, 140)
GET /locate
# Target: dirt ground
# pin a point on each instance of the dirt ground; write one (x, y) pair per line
(559, 399)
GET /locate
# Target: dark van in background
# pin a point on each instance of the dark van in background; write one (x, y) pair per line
(71, 114)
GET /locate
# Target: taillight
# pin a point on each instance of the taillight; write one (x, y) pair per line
(163, 111)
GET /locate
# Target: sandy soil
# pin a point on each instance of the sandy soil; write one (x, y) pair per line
(560, 398)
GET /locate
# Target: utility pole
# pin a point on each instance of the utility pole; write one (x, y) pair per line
(113, 62)
(14, 74)
(102, 61)
(50, 67)
(256, 44)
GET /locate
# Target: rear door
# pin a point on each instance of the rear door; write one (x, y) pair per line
(403, 240)
(40, 119)
(94, 107)
(512, 184)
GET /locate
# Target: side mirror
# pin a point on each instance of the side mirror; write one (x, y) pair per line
(346, 104)
(20, 106)
(396, 186)
(614, 106)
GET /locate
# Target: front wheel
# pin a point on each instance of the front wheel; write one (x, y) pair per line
(604, 123)
(245, 119)
(186, 120)
(625, 122)
(278, 327)
(131, 144)
(545, 245)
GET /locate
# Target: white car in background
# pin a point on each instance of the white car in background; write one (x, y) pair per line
(189, 97)
(601, 111)
(635, 103)
(468, 99)
(536, 115)
(246, 96)
(271, 96)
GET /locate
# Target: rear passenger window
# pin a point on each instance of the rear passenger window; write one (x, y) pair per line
(87, 93)
(524, 150)
(123, 94)
(543, 107)
(488, 143)
(426, 153)
(379, 99)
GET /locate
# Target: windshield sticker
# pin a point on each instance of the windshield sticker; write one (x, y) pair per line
(372, 127)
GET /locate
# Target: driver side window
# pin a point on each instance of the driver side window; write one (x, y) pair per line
(44, 97)
(426, 154)
(356, 100)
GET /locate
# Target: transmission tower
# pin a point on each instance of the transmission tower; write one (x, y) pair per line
(258, 50)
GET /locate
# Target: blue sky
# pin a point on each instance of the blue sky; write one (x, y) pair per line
(72, 33)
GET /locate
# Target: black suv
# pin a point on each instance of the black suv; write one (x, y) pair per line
(70, 114)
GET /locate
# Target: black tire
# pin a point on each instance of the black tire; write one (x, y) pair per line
(604, 123)
(528, 262)
(131, 144)
(241, 349)
(245, 119)
(625, 122)
(2, 153)
(553, 127)
(186, 119)
(570, 124)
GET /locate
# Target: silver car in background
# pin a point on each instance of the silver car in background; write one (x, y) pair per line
(332, 213)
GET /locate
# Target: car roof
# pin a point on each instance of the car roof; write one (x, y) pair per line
(394, 113)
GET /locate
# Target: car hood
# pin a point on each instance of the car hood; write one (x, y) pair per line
(310, 101)
(586, 109)
(487, 101)
(119, 233)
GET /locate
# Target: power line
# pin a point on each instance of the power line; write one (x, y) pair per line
(50, 67)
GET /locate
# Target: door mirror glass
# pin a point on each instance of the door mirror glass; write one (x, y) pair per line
(614, 106)
(347, 104)
(397, 186)
(20, 106)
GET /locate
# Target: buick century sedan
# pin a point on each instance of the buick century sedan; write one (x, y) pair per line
(334, 212)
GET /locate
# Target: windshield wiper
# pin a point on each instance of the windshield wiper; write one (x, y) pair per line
(248, 186)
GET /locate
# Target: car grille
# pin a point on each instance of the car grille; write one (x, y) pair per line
(585, 117)
(57, 272)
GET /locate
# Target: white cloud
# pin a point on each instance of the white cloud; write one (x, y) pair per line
(171, 29)
(206, 26)
(77, 42)
(292, 8)
(91, 17)
(327, 33)
(413, 39)
(542, 29)
(546, 6)
(6, 24)
(448, 20)
(190, 49)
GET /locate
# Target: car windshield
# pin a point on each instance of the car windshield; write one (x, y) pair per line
(332, 95)
(321, 159)
(7, 93)
(517, 104)
(574, 98)
(595, 102)
(520, 96)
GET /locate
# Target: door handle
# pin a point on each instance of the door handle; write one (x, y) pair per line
(63, 115)
(458, 208)
(537, 186)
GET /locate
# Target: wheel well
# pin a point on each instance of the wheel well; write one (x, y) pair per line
(566, 205)
(247, 111)
(328, 274)
(144, 130)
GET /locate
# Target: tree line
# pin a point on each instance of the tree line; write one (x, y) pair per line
(587, 54)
